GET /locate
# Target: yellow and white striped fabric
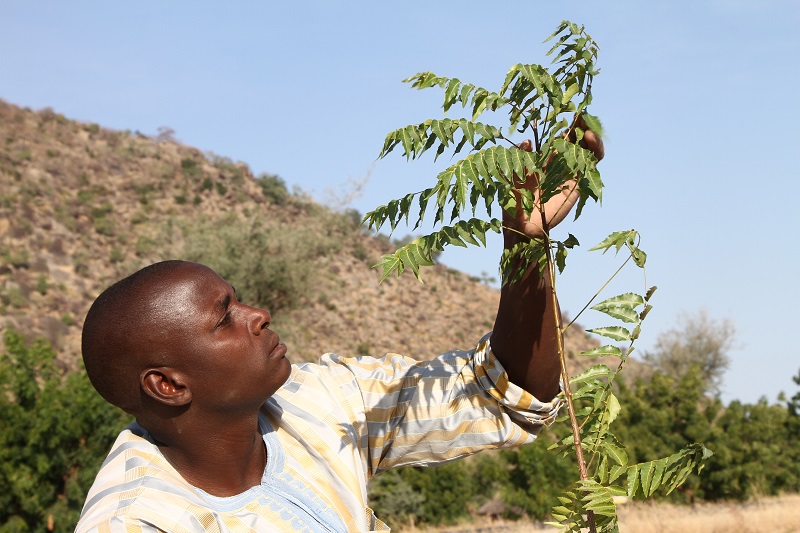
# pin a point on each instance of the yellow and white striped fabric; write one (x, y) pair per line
(328, 431)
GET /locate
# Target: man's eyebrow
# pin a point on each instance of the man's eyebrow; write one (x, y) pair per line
(224, 303)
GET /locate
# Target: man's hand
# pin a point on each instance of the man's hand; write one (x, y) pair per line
(524, 338)
(558, 207)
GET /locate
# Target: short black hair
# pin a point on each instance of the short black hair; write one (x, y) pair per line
(110, 343)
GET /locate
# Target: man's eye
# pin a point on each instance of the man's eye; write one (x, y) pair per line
(226, 319)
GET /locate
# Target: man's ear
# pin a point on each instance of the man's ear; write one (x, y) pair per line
(166, 385)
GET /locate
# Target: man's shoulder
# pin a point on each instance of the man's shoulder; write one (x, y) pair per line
(137, 484)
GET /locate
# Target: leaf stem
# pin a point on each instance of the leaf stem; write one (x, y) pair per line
(601, 289)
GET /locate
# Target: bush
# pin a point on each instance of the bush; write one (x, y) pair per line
(104, 226)
(537, 478)
(271, 264)
(42, 285)
(54, 432)
(189, 167)
(16, 257)
(394, 500)
(273, 187)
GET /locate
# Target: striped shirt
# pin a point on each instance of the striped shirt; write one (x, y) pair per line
(330, 428)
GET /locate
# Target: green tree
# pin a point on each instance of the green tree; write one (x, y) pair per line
(666, 413)
(755, 453)
(395, 501)
(537, 478)
(54, 432)
(446, 489)
(793, 405)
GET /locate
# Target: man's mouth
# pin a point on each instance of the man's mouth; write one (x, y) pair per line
(279, 350)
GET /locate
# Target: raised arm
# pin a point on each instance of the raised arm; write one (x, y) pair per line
(524, 334)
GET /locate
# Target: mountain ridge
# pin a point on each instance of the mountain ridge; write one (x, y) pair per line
(82, 206)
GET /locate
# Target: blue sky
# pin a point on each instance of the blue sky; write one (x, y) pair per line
(696, 98)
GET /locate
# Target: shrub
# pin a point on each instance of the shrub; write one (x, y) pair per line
(104, 226)
(116, 255)
(42, 285)
(271, 264)
(16, 257)
(54, 432)
(145, 246)
(273, 187)
(189, 167)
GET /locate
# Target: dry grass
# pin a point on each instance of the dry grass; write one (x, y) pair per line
(773, 515)
(766, 515)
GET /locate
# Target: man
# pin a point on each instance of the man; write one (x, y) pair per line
(230, 437)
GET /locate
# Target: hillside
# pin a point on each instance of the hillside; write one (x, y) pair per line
(82, 206)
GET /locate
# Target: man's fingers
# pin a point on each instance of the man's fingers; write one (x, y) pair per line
(526, 145)
(594, 143)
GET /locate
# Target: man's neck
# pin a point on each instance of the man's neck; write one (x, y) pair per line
(221, 459)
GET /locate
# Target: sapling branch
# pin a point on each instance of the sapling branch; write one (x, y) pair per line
(560, 166)
(550, 267)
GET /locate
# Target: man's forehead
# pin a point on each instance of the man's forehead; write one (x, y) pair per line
(184, 289)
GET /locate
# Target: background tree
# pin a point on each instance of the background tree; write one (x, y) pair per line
(698, 340)
(793, 405)
(54, 433)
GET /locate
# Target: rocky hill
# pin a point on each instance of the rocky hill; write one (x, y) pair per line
(82, 206)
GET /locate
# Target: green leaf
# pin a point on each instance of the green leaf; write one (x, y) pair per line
(593, 123)
(418, 253)
(561, 257)
(618, 239)
(464, 96)
(450, 93)
(571, 91)
(639, 257)
(615, 473)
(612, 408)
(668, 472)
(616, 453)
(601, 351)
(658, 473)
(649, 293)
(618, 333)
(594, 372)
(628, 300)
(621, 313)
(592, 183)
(633, 480)
(646, 477)
(571, 241)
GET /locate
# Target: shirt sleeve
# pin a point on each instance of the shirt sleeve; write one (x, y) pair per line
(429, 412)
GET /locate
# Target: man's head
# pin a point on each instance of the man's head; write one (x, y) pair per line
(174, 335)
